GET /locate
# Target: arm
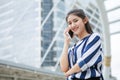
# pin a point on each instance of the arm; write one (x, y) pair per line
(64, 58)
(73, 70)
(64, 64)
(92, 55)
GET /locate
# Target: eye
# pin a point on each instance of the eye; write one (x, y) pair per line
(69, 23)
(75, 20)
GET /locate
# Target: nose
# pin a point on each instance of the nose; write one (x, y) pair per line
(73, 25)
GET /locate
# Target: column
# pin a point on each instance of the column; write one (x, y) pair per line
(106, 38)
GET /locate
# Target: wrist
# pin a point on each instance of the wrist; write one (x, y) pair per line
(66, 42)
(67, 73)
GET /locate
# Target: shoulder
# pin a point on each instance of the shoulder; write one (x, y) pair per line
(93, 37)
(95, 34)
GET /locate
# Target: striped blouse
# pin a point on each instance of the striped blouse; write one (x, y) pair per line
(87, 53)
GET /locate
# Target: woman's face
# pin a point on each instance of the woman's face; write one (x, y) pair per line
(76, 24)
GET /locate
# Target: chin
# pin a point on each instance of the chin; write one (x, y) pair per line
(77, 32)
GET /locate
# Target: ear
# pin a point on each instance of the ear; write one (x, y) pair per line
(85, 20)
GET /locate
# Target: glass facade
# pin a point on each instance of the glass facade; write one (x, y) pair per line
(20, 37)
(47, 32)
(51, 31)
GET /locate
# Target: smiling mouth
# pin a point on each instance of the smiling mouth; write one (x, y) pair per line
(75, 29)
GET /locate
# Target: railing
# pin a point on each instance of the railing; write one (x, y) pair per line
(13, 71)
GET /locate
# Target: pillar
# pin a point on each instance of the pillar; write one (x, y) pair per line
(106, 38)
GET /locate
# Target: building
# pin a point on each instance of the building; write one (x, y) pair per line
(54, 12)
(47, 32)
(20, 32)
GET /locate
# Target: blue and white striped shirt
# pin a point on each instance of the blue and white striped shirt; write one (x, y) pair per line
(87, 53)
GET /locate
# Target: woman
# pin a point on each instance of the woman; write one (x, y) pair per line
(83, 61)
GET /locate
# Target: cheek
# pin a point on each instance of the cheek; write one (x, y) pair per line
(80, 24)
(81, 27)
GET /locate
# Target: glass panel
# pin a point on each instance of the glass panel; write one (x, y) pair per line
(115, 27)
(110, 4)
(114, 15)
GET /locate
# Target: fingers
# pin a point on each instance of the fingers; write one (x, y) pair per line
(66, 74)
(66, 35)
(67, 38)
(66, 31)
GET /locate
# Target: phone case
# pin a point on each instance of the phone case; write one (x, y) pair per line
(70, 33)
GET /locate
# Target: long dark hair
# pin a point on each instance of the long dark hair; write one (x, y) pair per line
(80, 13)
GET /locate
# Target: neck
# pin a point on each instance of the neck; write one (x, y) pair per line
(83, 35)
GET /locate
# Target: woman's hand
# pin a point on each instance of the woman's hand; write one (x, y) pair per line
(66, 74)
(74, 69)
(67, 38)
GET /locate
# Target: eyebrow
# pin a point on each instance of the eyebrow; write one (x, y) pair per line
(73, 19)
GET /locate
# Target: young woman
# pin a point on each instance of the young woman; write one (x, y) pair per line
(83, 61)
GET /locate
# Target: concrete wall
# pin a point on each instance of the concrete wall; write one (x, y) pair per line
(13, 73)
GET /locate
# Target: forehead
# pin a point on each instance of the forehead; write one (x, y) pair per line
(72, 17)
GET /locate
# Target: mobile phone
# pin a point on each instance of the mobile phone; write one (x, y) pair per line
(70, 33)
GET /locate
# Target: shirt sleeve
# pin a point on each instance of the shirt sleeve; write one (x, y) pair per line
(91, 54)
(70, 51)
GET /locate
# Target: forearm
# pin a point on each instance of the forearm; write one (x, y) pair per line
(64, 59)
(73, 70)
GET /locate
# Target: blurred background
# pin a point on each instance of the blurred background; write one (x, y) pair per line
(31, 31)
